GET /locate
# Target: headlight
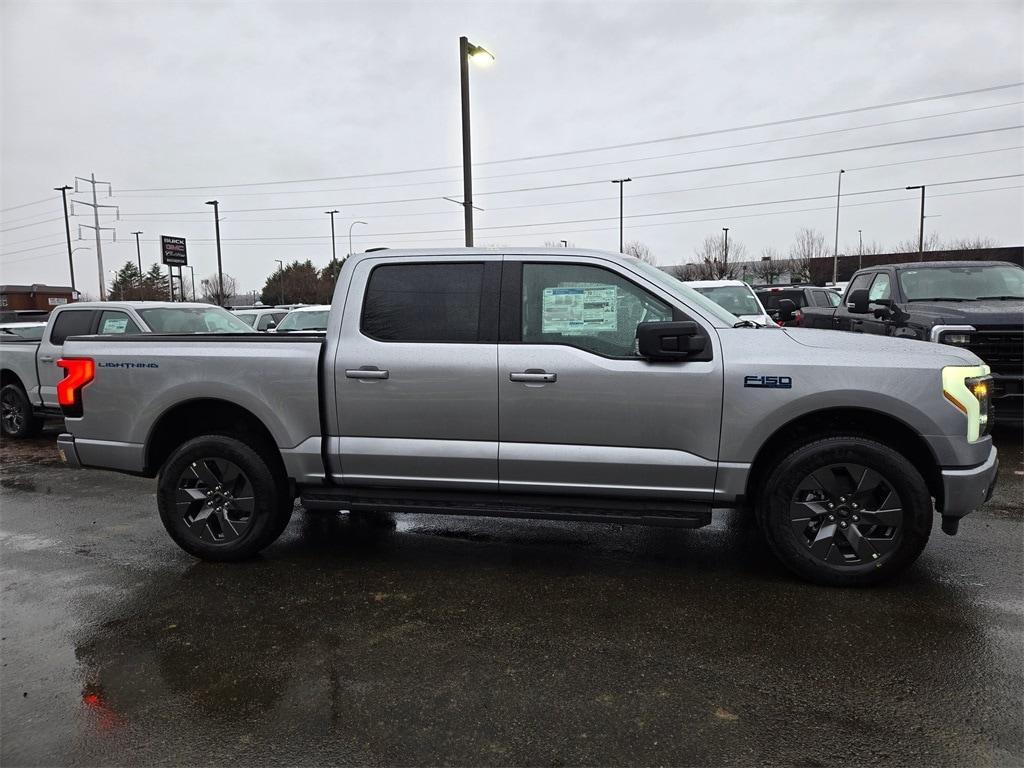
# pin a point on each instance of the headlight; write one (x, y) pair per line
(969, 388)
(956, 338)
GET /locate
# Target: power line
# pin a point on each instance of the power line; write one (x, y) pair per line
(567, 153)
(26, 205)
(34, 224)
(648, 158)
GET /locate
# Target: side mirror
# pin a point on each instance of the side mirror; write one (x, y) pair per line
(787, 310)
(857, 301)
(673, 340)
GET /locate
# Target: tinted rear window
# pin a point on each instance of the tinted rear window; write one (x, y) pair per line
(71, 322)
(424, 302)
(771, 299)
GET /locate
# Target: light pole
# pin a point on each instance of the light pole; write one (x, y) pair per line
(78, 248)
(192, 277)
(621, 183)
(835, 251)
(920, 233)
(860, 249)
(138, 254)
(350, 235)
(67, 231)
(334, 253)
(220, 270)
(467, 50)
(565, 243)
(280, 271)
(725, 256)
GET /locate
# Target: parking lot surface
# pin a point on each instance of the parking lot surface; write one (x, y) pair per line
(483, 642)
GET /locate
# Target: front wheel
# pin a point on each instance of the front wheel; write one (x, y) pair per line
(220, 500)
(845, 511)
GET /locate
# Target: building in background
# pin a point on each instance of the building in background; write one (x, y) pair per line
(35, 297)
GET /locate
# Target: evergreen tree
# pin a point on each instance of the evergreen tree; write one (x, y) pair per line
(127, 284)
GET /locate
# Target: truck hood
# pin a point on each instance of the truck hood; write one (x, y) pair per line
(884, 346)
(978, 313)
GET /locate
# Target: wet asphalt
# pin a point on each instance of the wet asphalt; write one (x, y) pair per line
(484, 642)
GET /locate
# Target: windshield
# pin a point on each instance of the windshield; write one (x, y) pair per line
(304, 321)
(665, 280)
(770, 299)
(1000, 281)
(246, 317)
(737, 299)
(193, 320)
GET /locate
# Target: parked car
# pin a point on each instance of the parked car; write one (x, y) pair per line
(542, 383)
(974, 305)
(774, 298)
(304, 319)
(736, 297)
(31, 331)
(29, 368)
(262, 319)
(24, 315)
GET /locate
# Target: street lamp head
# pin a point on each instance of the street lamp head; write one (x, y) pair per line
(917, 187)
(841, 170)
(212, 202)
(620, 181)
(480, 54)
(330, 212)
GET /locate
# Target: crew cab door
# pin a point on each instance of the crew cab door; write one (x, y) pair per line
(880, 290)
(415, 374)
(844, 319)
(579, 410)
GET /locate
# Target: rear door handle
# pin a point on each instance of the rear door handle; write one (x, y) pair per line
(366, 372)
(46, 359)
(533, 374)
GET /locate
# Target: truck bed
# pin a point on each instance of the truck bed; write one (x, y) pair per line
(140, 379)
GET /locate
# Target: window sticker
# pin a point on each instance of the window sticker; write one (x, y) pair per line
(115, 325)
(574, 311)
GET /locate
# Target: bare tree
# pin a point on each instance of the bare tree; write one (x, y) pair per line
(683, 272)
(639, 250)
(932, 242)
(808, 245)
(972, 243)
(712, 262)
(211, 289)
(770, 267)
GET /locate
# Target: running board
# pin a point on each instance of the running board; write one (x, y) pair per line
(590, 509)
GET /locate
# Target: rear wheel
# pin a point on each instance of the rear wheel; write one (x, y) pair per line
(220, 500)
(16, 416)
(846, 511)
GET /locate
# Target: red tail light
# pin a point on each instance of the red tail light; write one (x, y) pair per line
(798, 318)
(79, 371)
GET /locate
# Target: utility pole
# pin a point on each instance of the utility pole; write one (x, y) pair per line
(334, 252)
(280, 270)
(622, 184)
(96, 226)
(920, 232)
(725, 256)
(67, 230)
(835, 251)
(138, 253)
(220, 270)
(192, 272)
(860, 249)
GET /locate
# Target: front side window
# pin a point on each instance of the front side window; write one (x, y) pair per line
(586, 307)
(72, 322)
(246, 317)
(424, 302)
(117, 322)
(880, 289)
(860, 282)
(832, 299)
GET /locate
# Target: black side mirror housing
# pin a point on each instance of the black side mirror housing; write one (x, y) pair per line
(672, 340)
(787, 310)
(857, 301)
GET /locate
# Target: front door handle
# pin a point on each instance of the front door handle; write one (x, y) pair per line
(366, 372)
(533, 374)
(46, 359)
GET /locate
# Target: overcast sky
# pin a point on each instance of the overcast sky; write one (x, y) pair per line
(157, 95)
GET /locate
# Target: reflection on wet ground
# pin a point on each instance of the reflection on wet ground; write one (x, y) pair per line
(470, 641)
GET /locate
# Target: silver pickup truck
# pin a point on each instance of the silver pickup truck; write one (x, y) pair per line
(29, 371)
(532, 383)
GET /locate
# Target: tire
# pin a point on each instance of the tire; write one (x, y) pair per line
(16, 416)
(878, 522)
(220, 500)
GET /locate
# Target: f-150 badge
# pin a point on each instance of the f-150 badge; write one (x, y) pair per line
(768, 382)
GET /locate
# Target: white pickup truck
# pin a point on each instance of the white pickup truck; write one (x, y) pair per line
(28, 368)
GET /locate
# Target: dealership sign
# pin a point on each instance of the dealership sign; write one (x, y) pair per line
(173, 251)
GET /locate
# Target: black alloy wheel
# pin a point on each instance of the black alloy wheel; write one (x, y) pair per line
(215, 501)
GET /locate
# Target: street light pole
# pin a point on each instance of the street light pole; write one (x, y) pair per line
(860, 249)
(621, 183)
(920, 232)
(192, 277)
(334, 253)
(725, 256)
(138, 253)
(350, 235)
(467, 50)
(280, 270)
(67, 231)
(835, 252)
(220, 269)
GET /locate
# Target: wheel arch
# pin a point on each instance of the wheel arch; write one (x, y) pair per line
(208, 416)
(852, 422)
(7, 376)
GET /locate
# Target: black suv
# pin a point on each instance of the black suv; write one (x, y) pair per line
(801, 296)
